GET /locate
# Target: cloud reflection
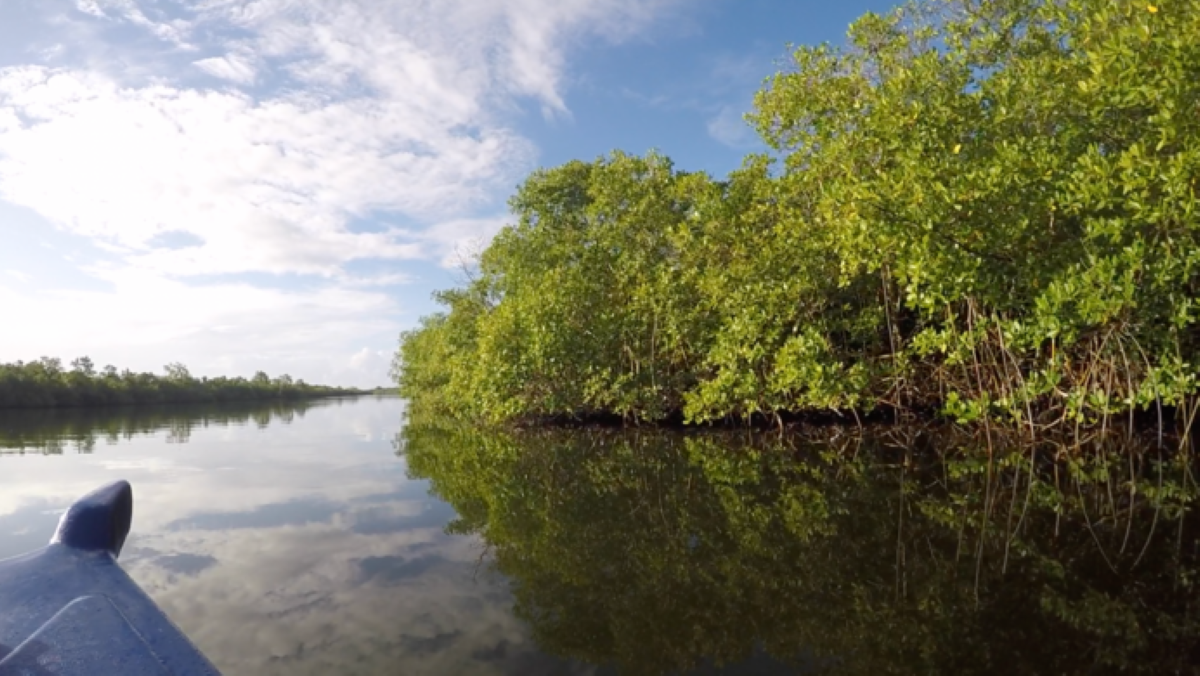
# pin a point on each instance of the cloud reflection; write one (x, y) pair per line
(313, 554)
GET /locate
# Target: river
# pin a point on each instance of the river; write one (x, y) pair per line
(283, 539)
(325, 537)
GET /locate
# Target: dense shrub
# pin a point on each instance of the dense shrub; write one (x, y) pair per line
(982, 207)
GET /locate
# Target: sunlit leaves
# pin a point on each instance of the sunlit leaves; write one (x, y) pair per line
(993, 199)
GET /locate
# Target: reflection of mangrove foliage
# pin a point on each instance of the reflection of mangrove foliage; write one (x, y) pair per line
(53, 431)
(654, 552)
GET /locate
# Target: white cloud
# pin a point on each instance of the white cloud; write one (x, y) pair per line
(460, 242)
(130, 11)
(381, 107)
(269, 186)
(728, 127)
(217, 329)
(89, 7)
(365, 356)
(371, 365)
(328, 114)
(385, 279)
(232, 67)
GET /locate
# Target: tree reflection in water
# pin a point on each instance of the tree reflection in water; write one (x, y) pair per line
(50, 431)
(894, 552)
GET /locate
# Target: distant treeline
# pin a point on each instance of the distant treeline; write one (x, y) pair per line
(985, 210)
(47, 383)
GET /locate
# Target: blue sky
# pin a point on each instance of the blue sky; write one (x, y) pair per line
(281, 184)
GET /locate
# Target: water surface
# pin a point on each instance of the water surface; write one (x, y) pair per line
(332, 538)
(281, 539)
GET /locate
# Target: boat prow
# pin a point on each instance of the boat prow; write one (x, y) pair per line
(69, 609)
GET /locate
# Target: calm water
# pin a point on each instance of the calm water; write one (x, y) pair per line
(285, 540)
(329, 538)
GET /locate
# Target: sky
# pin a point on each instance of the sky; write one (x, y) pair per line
(280, 185)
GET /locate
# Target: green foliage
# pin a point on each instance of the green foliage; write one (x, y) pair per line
(44, 383)
(580, 307)
(985, 207)
(656, 552)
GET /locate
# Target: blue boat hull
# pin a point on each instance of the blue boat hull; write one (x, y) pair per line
(69, 609)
